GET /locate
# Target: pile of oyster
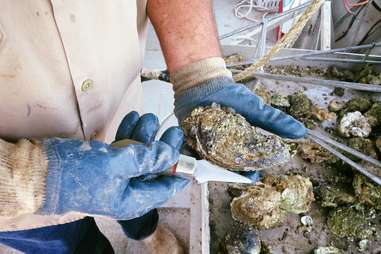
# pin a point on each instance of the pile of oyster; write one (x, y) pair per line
(352, 208)
(366, 74)
(358, 125)
(265, 205)
(298, 105)
(226, 139)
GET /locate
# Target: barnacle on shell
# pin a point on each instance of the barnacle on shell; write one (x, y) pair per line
(225, 138)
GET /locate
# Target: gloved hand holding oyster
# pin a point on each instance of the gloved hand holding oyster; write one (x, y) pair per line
(225, 134)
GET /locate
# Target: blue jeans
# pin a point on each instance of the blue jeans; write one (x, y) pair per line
(82, 236)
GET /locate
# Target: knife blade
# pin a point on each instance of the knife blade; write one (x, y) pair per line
(202, 170)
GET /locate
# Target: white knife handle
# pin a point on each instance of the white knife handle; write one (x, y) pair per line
(186, 165)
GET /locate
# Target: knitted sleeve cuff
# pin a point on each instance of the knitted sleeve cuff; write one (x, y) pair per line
(199, 72)
(23, 171)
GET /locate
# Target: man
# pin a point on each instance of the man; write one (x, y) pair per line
(70, 69)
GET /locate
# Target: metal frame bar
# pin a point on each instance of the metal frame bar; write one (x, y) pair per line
(322, 82)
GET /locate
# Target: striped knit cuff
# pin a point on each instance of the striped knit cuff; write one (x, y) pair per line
(23, 171)
(199, 72)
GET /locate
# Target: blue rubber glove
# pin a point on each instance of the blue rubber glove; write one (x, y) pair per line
(93, 178)
(226, 92)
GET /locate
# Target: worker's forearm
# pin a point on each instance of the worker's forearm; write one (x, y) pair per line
(186, 30)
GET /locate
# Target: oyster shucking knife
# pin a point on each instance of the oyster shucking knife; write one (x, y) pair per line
(202, 170)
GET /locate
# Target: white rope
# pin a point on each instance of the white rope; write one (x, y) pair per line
(244, 10)
(250, 10)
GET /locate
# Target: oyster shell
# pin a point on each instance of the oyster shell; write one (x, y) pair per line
(335, 105)
(334, 196)
(354, 124)
(280, 101)
(363, 245)
(301, 105)
(374, 114)
(245, 241)
(266, 204)
(302, 109)
(361, 104)
(378, 143)
(328, 250)
(259, 206)
(367, 192)
(263, 92)
(352, 222)
(307, 221)
(314, 153)
(369, 76)
(296, 192)
(228, 140)
(364, 145)
(233, 58)
(322, 114)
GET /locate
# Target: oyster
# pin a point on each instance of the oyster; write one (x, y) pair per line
(328, 250)
(334, 196)
(307, 221)
(280, 101)
(314, 153)
(368, 76)
(302, 109)
(259, 206)
(354, 124)
(357, 104)
(363, 245)
(233, 58)
(335, 105)
(378, 143)
(296, 192)
(363, 145)
(301, 105)
(374, 114)
(228, 140)
(242, 242)
(322, 114)
(338, 91)
(262, 92)
(367, 192)
(266, 204)
(352, 222)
